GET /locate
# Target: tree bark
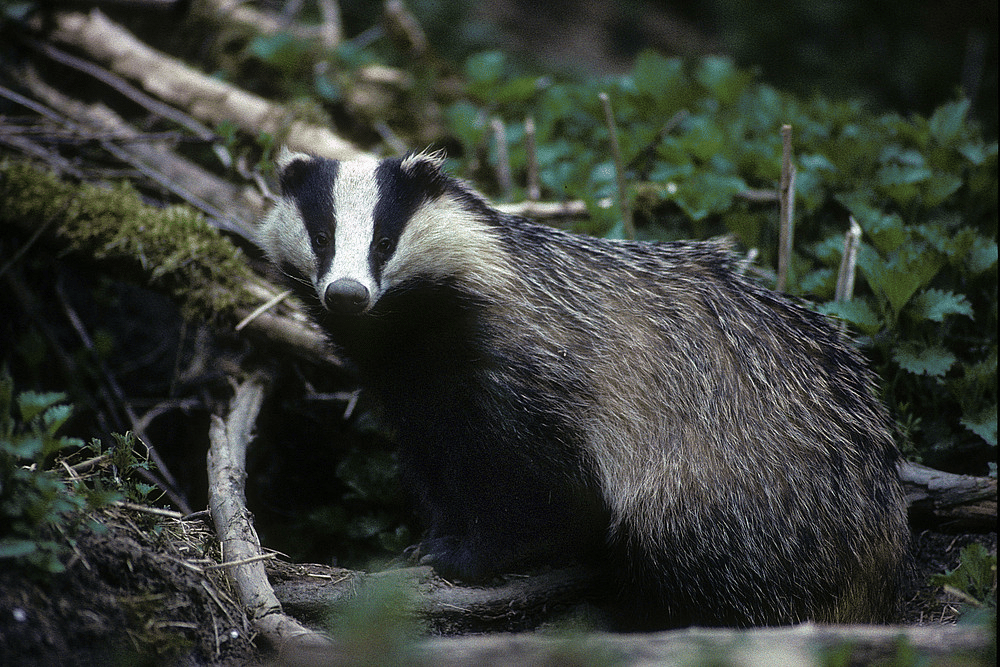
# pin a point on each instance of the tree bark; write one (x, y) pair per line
(205, 98)
(234, 525)
(949, 502)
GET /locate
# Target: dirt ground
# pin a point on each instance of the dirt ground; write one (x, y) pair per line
(136, 593)
(143, 592)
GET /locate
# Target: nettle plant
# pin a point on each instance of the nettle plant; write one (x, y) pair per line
(40, 507)
(929, 258)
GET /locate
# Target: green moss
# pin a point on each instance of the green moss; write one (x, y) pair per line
(173, 250)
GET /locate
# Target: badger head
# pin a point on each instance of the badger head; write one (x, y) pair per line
(355, 229)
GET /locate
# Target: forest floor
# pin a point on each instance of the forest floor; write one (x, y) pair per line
(139, 592)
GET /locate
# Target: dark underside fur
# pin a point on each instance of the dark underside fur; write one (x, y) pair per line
(489, 488)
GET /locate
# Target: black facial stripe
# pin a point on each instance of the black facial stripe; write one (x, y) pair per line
(397, 201)
(400, 194)
(309, 183)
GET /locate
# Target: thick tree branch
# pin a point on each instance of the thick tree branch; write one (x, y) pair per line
(948, 501)
(205, 98)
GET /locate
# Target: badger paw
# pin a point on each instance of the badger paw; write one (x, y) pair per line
(454, 558)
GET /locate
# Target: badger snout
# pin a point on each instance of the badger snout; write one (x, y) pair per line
(346, 296)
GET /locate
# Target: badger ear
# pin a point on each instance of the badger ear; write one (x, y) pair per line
(287, 156)
(292, 168)
(424, 162)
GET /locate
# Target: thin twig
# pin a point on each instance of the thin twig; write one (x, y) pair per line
(649, 151)
(30, 242)
(242, 561)
(759, 196)
(787, 188)
(263, 308)
(215, 215)
(503, 158)
(146, 509)
(76, 138)
(397, 145)
(331, 27)
(623, 204)
(86, 466)
(401, 22)
(229, 439)
(845, 276)
(53, 160)
(745, 263)
(534, 191)
(573, 208)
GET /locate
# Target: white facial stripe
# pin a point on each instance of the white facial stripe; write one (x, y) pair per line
(355, 193)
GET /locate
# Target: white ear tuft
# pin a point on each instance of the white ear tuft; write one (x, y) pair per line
(286, 156)
(427, 157)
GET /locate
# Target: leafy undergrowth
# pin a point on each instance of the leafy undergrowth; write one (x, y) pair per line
(85, 579)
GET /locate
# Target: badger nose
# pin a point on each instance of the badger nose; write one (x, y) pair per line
(346, 296)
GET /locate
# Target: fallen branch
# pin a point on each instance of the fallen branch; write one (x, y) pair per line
(516, 603)
(948, 501)
(234, 527)
(238, 14)
(123, 87)
(203, 97)
(954, 501)
(230, 207)
(624, 206)
(804, 645)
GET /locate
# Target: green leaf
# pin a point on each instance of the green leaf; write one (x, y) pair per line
(895, 285)
(982, 255)
(975, 153)
(55, 417)
(705, 193)
(327, 88)
(856, 312)
(466, 122)
(721, 78)
(886, 230)
(940, 187)
(657, 76)
(703, 139)
(934, 304)
(948, 121)
(903, 174)
(33, 403)
(26, 446)
(975, 574)
(12, 547)
(984, 424)
(520, 89)
(485, 68)
(934, 361)
(898, 278)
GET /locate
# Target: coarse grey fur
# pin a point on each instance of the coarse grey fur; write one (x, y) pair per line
(718, 447)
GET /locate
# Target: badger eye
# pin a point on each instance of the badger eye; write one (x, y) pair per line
(384, 246)
(321, 239)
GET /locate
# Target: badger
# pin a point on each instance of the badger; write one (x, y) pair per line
(555, 398)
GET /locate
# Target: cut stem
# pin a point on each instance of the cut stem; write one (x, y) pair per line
(623, 205)
(787, 199)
